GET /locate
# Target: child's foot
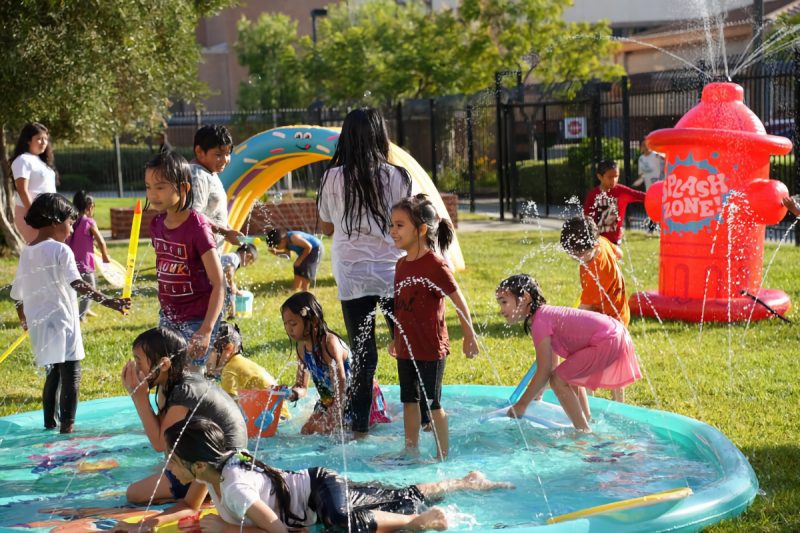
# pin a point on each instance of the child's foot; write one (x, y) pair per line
(433, 518)
(427, 427)
(66, 428)
(91, 313)
(48, 428)
(477, 481)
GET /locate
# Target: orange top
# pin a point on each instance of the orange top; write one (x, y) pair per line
(603, 284)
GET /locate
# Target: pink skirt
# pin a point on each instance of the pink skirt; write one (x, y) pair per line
(608, 363)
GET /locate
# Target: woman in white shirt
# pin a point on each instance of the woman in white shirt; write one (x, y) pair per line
(34, 173)
(355, 199)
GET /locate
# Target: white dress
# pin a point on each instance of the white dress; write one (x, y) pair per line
(43, 284)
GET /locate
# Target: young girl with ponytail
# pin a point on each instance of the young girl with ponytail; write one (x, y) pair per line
(421, 344)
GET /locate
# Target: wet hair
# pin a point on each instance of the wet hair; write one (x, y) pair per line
(160, 342)
(29, 130)
(211, 136)
(82, 201)
(248, 248)
(275, 236)
(421, 211)
(518, 285)
(49, 208)
(363, 151)
(579, 234)
(196, 439)
(306, 306)
(228, 333)
(173, 168)
(605, 165)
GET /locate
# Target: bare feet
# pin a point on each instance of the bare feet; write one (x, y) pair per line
(433, 518)
(477, 481)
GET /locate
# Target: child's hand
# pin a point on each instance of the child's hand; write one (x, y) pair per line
(134, 380)
(24, 323)
(106, 259)
(198, 345)
(470, 346)
(123, 305)
(393, 349)
(232, 236)
(790, 204)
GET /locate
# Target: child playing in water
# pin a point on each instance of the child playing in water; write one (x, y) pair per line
(44, 291)
(190, 285)
(160, 361)
(601, 277)
(244, 256)
(84, 235)
(248, 493)
(323, 355)
(606, 204)
(236, 371)
(309, 254)
(421, 344)
(596, 349)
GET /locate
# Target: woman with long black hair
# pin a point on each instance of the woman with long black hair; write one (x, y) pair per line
(355, 199)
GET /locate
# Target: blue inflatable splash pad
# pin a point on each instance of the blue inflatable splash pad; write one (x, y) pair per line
(78, 482)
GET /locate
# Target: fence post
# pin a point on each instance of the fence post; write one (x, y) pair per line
(118, 161)
(511, 161)
(499, 144)
(626, 131)
(796, 140)
(432, 103)
(198, 118)
(401, 134)
(470, 160)
(546, 169)
(597, 128)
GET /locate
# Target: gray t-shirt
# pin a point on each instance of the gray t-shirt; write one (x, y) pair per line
(215, 404)
(209, 197)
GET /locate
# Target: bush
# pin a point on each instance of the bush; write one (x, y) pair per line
(75, 182)
(563, 181)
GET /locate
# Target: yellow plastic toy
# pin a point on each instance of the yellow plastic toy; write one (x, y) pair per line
(633, 503)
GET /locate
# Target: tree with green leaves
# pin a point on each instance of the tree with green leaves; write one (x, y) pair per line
(380, 52)
(273, 53)
(94, 68)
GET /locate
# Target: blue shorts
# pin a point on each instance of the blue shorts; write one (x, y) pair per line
(189, 328)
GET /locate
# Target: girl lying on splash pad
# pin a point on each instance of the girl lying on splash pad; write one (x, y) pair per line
(596, 349)
(247, 492)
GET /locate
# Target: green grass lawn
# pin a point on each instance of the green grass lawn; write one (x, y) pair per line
(744, 382)
(102, 209)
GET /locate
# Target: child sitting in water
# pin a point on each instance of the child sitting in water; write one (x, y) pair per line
(308, 249)
(325, 357)
(601, 277)
(596, 349)
(244, 256)
(236, 371)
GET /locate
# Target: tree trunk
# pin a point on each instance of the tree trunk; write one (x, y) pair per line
(12, 240)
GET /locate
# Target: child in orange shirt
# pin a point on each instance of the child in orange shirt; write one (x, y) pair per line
(601, 277)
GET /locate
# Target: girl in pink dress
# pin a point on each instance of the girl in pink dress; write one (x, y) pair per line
(597, 350)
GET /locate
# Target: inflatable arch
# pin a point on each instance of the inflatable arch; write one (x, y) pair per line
(260, 161)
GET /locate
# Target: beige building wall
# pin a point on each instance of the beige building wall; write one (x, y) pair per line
(217, 35)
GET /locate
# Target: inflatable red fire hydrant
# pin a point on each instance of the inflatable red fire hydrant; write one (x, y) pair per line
(712, 208)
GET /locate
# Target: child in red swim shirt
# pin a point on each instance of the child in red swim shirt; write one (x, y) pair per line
(606, 204)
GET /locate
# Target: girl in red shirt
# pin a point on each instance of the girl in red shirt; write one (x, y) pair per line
(422, 280)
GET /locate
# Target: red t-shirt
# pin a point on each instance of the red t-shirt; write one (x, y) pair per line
(420, 287)
(183, 286)
(608, 208)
